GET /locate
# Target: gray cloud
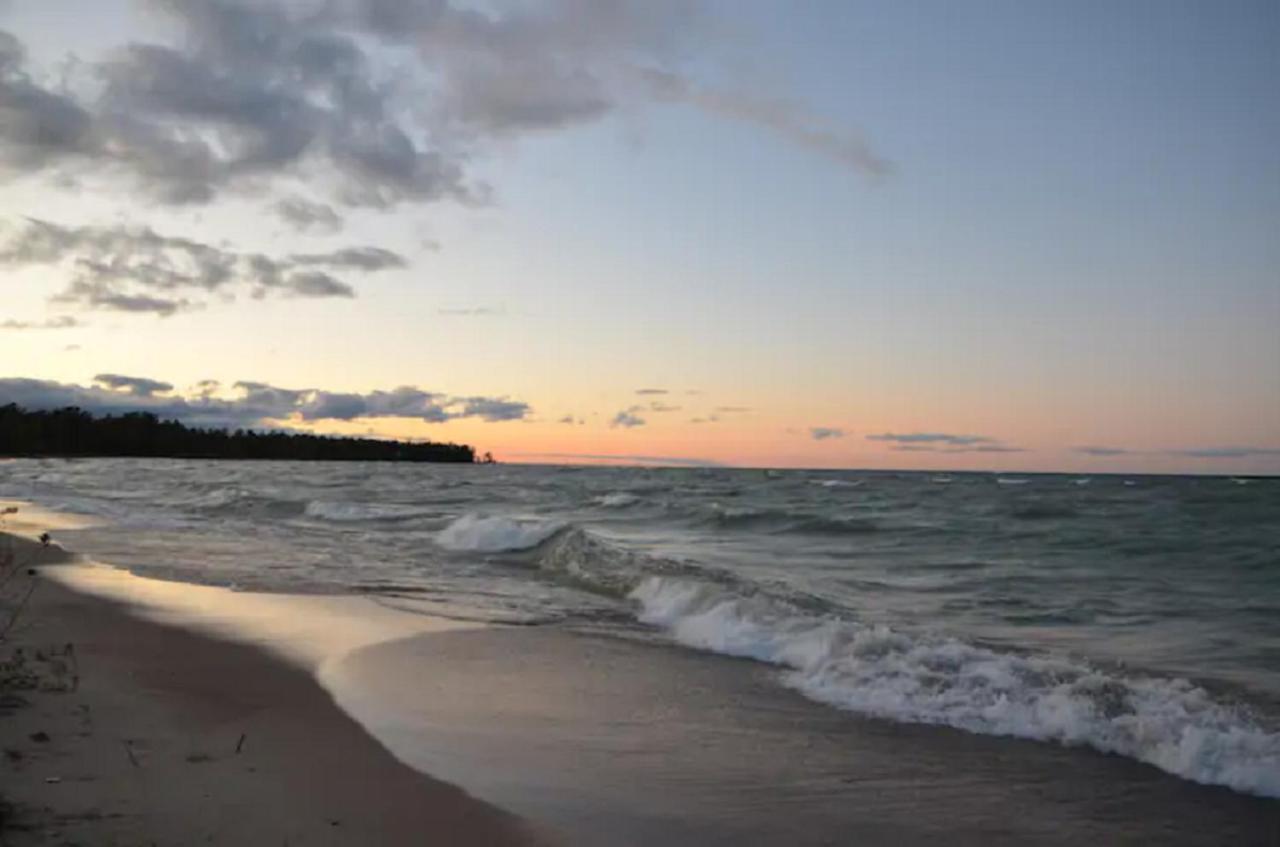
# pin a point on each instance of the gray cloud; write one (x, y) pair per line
(308, 216)
(253, 95)
(136, 269)
(136, 385)
(783, 117)
(942, 442)
(1227, 452)
(317, 284)
(1094, 450)
(353, 258)
(822, 433)
(253, 404)
(662, 408)
(472, 312)
(60, 322)
(628, 418)
(932, 438)
(678, 461)
(652, 391)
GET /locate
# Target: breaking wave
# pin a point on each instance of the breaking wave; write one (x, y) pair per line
(873, 670)
(475, 533)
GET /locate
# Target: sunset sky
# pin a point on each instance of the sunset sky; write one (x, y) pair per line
(1007, 235)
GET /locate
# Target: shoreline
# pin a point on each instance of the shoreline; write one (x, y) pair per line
(120, 729)
(188, 725)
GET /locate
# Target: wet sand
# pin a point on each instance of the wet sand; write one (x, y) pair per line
(145, 733)
(632, 744)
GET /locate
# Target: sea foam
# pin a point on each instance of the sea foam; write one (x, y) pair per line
(876, 671)
(496, 533)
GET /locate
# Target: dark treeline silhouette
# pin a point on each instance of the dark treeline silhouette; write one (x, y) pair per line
(75, 432)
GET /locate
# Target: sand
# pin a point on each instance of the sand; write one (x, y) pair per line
(144, 733)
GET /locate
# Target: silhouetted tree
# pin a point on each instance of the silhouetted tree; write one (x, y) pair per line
(75, 432)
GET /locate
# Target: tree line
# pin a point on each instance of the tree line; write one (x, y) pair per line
(72, 431)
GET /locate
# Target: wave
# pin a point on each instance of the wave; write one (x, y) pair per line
(780, 521)
(341, 511)
(473, 533)
(838, 483)
(876, 671)
(617, 500)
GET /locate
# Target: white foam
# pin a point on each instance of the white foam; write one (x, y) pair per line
(617, 500)
(344, 512)
(495, 534)
(876, 671)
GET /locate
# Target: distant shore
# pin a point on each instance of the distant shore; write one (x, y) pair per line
(117, 730)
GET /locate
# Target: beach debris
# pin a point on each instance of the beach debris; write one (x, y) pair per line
(240, 743)
(199, 758)
(53, 780)
(128, 751)
(45, 539)
(41, 737)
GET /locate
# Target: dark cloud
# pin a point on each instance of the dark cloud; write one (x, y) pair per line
(1227, 452)
(1093, 450)
(136, 269)
(491, 409)
(60, 322)
(627, 418)
(253, 404)
(652, 391)
(138, 386)
(269, 95)
(308, 216)
(823, 433)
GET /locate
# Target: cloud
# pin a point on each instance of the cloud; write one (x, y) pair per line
(628, 418)
(372, 102)
(253, 404)
(661, 408)
(318, 284)
(1227, 452)
(136, 269)
(1094, 450)
(822, 433)
(60, 322)
(307, 215)
(733, 410)
(472, 312)
(652, 391)
(942, 442)
(678, 461)
(787, 119)
(353, 258)
(138, 386)
(931, 438)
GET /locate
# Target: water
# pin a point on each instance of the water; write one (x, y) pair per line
(1134, 615)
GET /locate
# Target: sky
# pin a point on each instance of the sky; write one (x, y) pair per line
(1020, 235)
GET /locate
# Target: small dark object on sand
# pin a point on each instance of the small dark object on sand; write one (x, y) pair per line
(40, 737)
(45, 539)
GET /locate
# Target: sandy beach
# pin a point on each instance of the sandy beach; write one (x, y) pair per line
(125, 731)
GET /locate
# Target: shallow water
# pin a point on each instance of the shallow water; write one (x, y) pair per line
(1133, 615)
